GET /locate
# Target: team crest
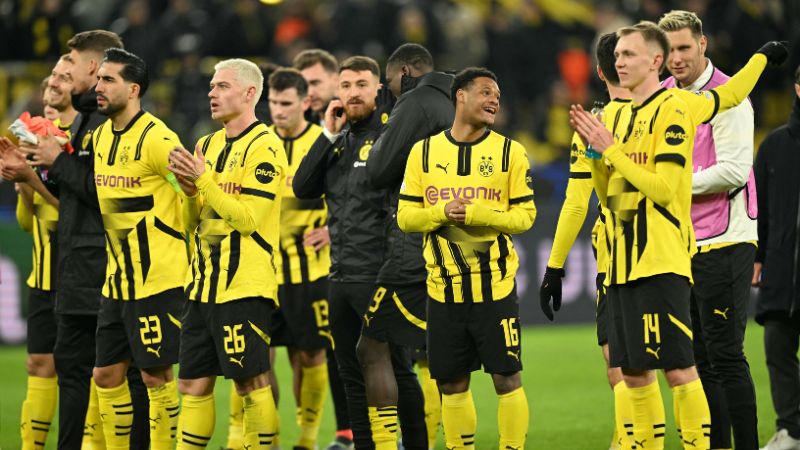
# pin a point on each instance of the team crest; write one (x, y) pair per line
(486, 167)
(124, 157)
(87, 138)
(232, 161)
(384, 118)
(363, 154)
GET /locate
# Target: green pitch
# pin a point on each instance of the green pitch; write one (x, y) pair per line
(571, 403)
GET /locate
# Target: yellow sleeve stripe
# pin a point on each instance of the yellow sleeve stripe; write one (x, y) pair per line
(676, 158)
(410, 198)
(258, 193)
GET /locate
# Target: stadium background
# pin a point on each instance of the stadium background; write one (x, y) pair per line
(540, 49)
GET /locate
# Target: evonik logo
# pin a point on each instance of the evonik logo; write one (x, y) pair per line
(114, 181)
(434, 194)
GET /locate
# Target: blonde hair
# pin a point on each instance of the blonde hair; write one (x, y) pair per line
(247, 72)
(652, 34)
(677, 20)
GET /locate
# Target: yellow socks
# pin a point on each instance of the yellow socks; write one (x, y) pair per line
(692, 416)
(433, 402)
(163, 415)
(623, 416)
(512, 419)
(648, 416)
(235, 421)
(93, 438)
(259, 419)
(116, 411)
(383, 422)
(37, 411)
(459, 420)
(312, 397)
(196, 422)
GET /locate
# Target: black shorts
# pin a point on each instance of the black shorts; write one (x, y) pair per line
(601, 310)
(303, 319)
(227, 339)
(397, 315)
(462, 336)
(146, 331)
(41, 321)
(650, 322)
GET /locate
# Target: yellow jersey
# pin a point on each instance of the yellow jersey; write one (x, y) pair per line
(142, 213)
(475, 261)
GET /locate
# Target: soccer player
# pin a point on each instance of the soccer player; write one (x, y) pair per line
(59, 93)
(468, 189)
(147, 260)
(302, 265)
(336, 167)
(81, 248)
(397, 314)
(645, 182)
(321, 71)
(233, 182)
(573, 214)
(724, 211)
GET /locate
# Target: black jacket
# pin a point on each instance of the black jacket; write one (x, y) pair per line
(81, 237)
(356, 215)
(778, 188)
(423, 109)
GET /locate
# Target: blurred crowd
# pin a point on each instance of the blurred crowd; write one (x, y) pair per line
(540, 49)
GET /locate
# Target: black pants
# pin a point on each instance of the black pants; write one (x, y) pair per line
(337, 392)
(781, 338)
(720, 298)
(74, 355)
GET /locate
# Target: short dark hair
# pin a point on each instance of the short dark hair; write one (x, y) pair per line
(287, 78)
(314, 56)
(134, 69)
(97, 41)
(360, 64)
(465, 78)
(605, 57)
(413, 55)
(650, 33)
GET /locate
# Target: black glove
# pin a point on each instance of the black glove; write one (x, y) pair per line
(551, 288)
(384, 102)
(775, 51)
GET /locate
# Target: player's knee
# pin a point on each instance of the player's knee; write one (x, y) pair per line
(108, 377)
(679, 377)
(41, 365)
(454, 386)
(614, 376)
(247, 385)
(312, 358)
(636, 378)
(505, 383)
(197, 387)
(157, 376)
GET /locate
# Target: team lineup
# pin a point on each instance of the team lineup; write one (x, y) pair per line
(368, 229)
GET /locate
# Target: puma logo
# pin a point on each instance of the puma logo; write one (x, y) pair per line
(367, 318)
(274, 152)
(156, 351)
(639, 444)
(690, 443)
(246, 447)
(724, 314)
(239, 361)
(514, 355)
(653, 352)
(443, 167)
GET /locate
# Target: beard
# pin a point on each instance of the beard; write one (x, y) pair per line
(358, 112)
(110, 108)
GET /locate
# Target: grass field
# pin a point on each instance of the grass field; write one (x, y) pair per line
(571, 403)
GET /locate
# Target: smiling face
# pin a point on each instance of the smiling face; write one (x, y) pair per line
(59, 86)
(357, 90)
(636, 60)
(113, 92)
(479, 103)
(228, 96)
(687, 56)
